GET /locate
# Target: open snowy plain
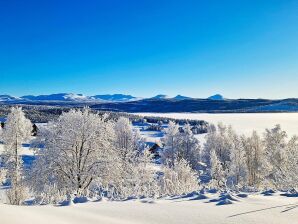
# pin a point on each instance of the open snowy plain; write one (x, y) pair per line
(243, 123)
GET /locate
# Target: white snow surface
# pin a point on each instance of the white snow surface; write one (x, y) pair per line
(243, 123)
(254, 209)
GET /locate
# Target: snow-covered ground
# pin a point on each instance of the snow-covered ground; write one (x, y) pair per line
(254, 209)
(244, 123)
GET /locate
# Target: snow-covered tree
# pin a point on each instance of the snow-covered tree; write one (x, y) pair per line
(2, 169)
(182, 145)
(254, 159)
(171, 142)
(2, 176)
(134, 176)
(127, 140)
(275, 152)
(2, 172)
(224, 154)
(17, 130)
(217, 154)
(290, 180)
(189, 147)
(237, 169)
(178, 179)
(217, 173)
(219, 141)
(78, 149)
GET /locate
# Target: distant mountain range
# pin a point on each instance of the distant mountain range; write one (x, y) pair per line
(160, 103)
(72, 97)
(69, 97)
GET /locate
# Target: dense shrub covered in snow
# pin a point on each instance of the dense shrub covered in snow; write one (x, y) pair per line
(178, 179)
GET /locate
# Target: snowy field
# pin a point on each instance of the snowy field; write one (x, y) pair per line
(254, 209)
(243, 123)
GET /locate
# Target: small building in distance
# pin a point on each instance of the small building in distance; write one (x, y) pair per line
(154, 148)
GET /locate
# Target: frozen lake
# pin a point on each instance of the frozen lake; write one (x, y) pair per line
(243, 123)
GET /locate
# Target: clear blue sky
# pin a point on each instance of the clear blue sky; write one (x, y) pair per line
(237, 48)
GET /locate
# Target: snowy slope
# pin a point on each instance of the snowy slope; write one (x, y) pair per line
(254, 209)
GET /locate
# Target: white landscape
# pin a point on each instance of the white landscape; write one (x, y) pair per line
(193, 207)
(149, 112)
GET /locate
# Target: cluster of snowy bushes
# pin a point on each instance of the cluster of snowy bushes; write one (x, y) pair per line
(253, 162)
(83, 154)
(236, 162)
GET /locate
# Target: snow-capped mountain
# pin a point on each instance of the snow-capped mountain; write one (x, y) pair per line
(216, 97)
(58, 97)
(180, 97)
(115, 97)
(5, 98)
(73, 97)
(161, 96)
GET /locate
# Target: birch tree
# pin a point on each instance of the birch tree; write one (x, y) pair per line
(171, 142)
(217, 173)
(237, 169)
(17, 130)
(78, 148)
(290, 180)
(178, 146)
(219, 141)
(254, 159)
(189, 147)
(134, 176)
(178, 179)
(275, 152)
